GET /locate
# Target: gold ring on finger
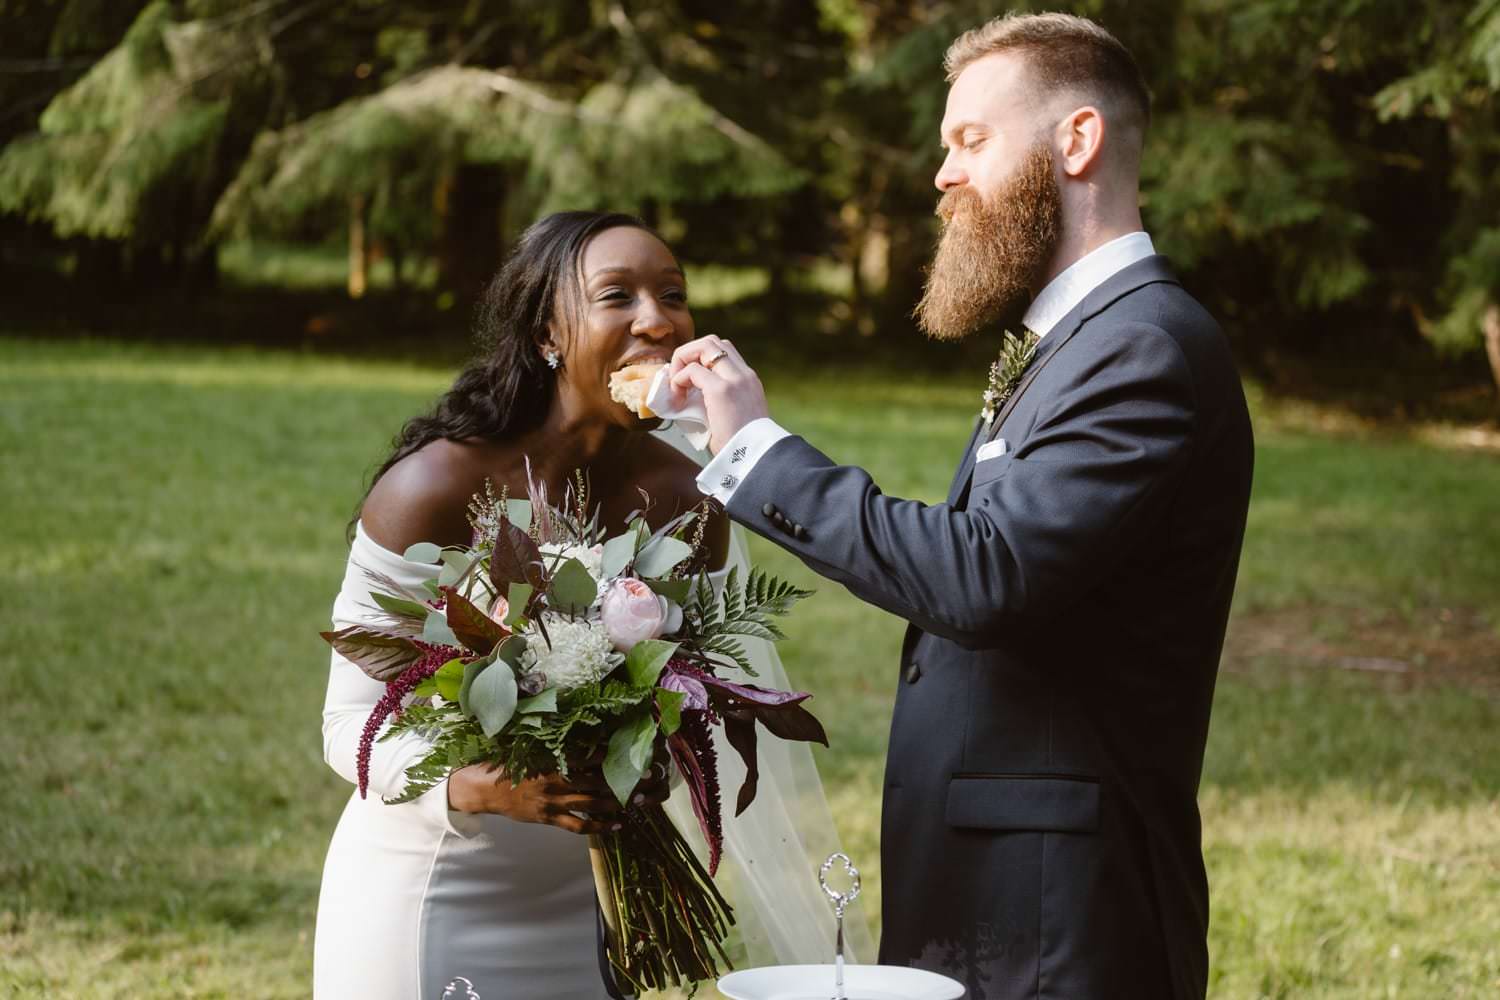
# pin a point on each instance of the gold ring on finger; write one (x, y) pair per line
(715, 359)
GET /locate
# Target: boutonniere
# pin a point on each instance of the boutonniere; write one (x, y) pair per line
(1015, 354)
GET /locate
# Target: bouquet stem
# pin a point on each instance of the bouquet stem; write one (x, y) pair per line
(604, 889)
(664, 918)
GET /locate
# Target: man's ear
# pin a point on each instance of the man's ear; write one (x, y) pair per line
(1080, 141)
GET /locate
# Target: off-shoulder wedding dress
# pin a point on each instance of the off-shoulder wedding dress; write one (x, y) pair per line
(415, 896)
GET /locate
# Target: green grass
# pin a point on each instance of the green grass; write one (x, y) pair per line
(175, 536)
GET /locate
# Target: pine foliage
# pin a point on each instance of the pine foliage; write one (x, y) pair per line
(119, 152)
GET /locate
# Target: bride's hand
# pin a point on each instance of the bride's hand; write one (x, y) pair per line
(547, 798)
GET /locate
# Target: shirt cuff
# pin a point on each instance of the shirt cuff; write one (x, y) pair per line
(730, 467)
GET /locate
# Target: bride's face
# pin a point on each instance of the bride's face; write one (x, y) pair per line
(634, 309)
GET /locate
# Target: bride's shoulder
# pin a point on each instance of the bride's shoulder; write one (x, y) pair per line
(424, 497)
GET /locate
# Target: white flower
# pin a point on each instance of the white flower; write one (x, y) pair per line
(592, 556)
(581, 652)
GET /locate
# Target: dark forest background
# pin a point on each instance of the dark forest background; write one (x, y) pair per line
(348, 173)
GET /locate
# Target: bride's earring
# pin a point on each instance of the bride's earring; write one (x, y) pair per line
(554, 360)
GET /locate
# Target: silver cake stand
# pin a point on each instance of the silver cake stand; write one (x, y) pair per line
(838, 981)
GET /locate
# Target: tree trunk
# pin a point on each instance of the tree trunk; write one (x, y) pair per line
(359, 246)
(470, 203)
(398, 258)
(1492, 340)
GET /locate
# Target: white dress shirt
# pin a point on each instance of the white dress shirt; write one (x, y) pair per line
(729, 468)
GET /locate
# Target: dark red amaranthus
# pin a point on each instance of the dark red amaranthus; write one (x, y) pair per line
(692, 748)
(433, 657)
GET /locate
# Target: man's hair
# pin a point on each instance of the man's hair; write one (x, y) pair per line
(1064, 54)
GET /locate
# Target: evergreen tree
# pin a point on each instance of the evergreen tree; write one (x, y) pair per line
(1458, 89)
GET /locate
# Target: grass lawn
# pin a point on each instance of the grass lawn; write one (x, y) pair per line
(175, 536)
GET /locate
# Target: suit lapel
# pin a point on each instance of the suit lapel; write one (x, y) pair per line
(966, 465)
(1051, 344)
(1147, 271)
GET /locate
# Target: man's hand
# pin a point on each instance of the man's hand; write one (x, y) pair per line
(732, 392)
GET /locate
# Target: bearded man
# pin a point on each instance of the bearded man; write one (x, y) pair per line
(1067, 603)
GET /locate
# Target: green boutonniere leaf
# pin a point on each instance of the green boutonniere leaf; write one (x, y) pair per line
(1016, 354)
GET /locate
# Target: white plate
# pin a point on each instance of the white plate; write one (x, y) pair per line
(861, 982)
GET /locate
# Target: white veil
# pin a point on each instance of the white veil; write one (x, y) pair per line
(769, 870)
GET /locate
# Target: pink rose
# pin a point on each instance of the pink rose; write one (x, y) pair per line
(632, 612)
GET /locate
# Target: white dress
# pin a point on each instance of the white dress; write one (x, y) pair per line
(415, 896)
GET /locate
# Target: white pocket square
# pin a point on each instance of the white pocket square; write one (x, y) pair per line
(992, 449)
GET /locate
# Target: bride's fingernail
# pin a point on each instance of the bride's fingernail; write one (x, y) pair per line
(639, 798)
(617, 827)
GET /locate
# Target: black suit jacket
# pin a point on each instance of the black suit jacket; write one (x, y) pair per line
(1040, 835)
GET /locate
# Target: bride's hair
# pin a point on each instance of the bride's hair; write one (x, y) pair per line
(508, 387)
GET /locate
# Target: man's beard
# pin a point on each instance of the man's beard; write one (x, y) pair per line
(992, 251)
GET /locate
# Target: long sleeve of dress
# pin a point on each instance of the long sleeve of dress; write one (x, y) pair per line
(352, 695)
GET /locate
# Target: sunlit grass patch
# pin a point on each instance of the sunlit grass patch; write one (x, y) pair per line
(176, 520)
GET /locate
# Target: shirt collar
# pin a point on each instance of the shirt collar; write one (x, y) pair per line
(1083, 276)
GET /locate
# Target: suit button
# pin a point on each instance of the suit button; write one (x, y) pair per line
(779, 519)
(913, 672)
(769, 510)
(799, 532)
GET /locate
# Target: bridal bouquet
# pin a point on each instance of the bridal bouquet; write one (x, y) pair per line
(544, 644)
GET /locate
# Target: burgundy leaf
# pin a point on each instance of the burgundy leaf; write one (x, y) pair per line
(739, 729)
(381, 655)
(516, 559)
(754, 694)
(781, 712)
(688, 685)
(473, 627)
(791, 722)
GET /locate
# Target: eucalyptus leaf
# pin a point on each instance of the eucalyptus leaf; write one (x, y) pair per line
(519, 597)
(673, 590)
(455, 565)
(573, 589)
(519, 512)
(546, 701)
(510, 651)
(618, 552)
(423, 552)
(629, 754)
(659, 557)
(471, 671)
(399, 606)
(492, 696)
(437, 631)
(644, 662)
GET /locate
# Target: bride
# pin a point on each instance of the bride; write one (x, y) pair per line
(478, 883)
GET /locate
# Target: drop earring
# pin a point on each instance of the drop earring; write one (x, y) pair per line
(554, 360)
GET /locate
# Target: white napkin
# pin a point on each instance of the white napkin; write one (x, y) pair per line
(683, 406)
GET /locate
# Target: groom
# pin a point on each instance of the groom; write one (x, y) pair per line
(1067, 603)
